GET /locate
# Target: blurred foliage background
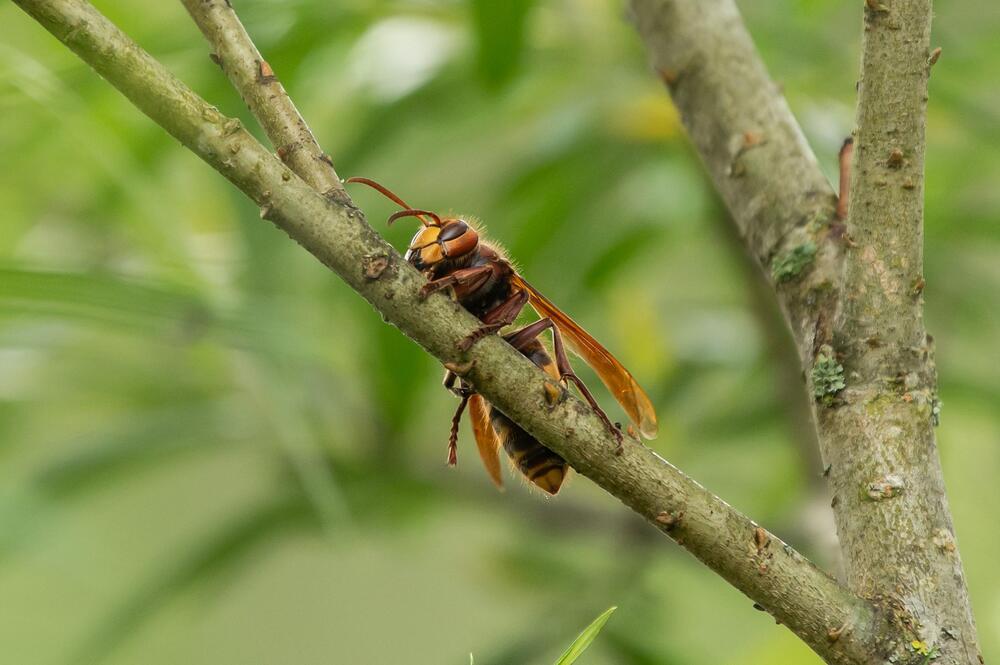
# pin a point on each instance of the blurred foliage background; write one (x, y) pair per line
(211, 451)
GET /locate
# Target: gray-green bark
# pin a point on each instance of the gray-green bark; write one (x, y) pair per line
(752, 148)
(877, 436)
(263, 93)
(851, 294)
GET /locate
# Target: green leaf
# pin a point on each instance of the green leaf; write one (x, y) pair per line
(583, 641)
(619, 254)
(145, 307)
(499, 30)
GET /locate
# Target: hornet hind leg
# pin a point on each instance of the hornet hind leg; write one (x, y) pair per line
(520, 338)
(464, 391)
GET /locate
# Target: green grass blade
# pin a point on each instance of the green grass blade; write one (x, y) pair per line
(584, 639)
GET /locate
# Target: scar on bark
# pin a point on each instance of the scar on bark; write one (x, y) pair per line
(668, 76)
(264, 72)
(461, 369)
(285, 151)
(843, 200)
(761, 539)
(834, 633)
(372, 267)
(669, 520)
(895, 160)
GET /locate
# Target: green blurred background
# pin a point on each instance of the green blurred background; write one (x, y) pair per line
(212, 451)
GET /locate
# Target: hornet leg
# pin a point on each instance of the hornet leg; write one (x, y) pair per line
(496, 319)
(472, 277)
(453, 437)
(518, 338)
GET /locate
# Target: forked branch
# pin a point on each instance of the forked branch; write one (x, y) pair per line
(263, 93)
(851, 293)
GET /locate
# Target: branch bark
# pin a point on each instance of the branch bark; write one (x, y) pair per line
(878, 438)
(752, 148)
(263, 93)
(837, 624)
(851, 298)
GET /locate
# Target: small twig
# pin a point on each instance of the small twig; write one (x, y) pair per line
(935, 54)
(260, 88)
(843, 200)
(876, 6)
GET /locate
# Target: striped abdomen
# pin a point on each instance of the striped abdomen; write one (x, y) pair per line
(540, 465)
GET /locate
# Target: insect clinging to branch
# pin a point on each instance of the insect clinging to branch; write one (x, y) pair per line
(454, 256)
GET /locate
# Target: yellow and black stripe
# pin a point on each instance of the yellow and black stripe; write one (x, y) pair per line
(540, 465)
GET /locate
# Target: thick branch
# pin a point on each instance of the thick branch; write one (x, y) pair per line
(260, 88)
(737, 119)
(893, 521)
(891, 509)
(838, 625)
(754, 152)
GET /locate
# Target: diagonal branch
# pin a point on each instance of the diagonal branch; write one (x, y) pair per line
(263, 93)
(837, 624)
(851, 298)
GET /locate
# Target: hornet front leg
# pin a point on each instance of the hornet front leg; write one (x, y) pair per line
(496, 319)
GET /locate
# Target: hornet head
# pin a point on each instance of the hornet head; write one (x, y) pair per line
(439, 241)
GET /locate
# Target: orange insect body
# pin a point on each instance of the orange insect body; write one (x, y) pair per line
(452, 255)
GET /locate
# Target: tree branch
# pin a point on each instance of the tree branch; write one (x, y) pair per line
(850, 299)
(260, 88)
(837, 624)
(753, 149)
(892, 512)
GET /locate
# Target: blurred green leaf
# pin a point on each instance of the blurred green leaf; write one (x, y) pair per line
(141, 439)
(499, 30)
(583, 641)
(634, 652)
(103, 298)
(211, 559)
(620, 254)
